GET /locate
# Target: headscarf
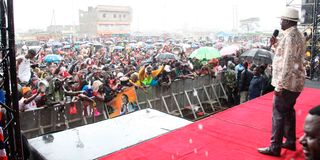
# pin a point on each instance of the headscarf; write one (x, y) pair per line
(25, 90)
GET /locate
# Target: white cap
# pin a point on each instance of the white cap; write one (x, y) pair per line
(120, 74)
(124, 78)
(167, 68)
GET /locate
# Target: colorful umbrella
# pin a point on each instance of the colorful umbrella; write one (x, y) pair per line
(206, 53)
(52, 58)
(229, 50)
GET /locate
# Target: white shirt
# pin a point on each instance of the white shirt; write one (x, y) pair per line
(24, 70)
(24, 107)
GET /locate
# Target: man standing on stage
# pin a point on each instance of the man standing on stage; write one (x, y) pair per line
(288, 79)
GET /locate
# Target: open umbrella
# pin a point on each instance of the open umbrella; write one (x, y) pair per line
(141, 44)
(164, 56)
(108, 42)
(67, 46)
(133, 41)
(194, 45)
(132, 45)
(206, 53)
(118, 47)
(57, 44)
(52, 58)
(258, 55)
(229, 50)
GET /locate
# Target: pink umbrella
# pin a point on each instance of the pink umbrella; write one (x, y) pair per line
(218, 45)
(229, 50)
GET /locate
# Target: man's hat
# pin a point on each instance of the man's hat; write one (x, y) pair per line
(290, 14)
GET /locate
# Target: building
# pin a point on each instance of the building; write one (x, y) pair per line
(250, 25)
(105, 20)
(63, 29)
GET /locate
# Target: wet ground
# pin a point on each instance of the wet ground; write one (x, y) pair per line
(312, 84)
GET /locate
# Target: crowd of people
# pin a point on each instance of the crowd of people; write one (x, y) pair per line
(92, 73)
(245, 81)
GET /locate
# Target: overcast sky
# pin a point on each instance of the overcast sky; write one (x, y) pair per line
(155, 14)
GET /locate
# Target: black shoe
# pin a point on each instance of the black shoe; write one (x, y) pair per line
(289, 146)
(269, 151)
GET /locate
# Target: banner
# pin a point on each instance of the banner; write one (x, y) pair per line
(117, 101)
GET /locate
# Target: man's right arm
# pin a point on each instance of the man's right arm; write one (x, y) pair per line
(18, 60)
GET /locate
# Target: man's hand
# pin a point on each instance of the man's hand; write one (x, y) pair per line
(273, 40)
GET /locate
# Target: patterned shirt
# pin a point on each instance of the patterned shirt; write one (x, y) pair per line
(288, 69)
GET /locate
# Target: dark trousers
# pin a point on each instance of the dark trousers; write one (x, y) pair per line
(284, 119)
(232, 95)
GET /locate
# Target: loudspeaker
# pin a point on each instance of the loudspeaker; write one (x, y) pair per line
(307, 11)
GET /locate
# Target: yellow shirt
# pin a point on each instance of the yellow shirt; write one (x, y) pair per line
(138, 83)
(154, 73)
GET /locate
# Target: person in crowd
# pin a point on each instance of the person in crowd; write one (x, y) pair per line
(124, 83)
(24, 66)
(213, 66)
(110, 93)
(165, 77)
(244, 83)
(147, 75)
(231, 84)
(267, 76)
(288, 78)
(257, 84)
(87, 99)
(27, 102)
(127, 106)
(55, 93)
(100, 96)
(186, 71)
(196, 64)
(310, 140)
(239, 68)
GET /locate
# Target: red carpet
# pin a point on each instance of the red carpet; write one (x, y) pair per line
(233, 134)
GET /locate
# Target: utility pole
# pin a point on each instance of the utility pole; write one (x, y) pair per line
(289, 2)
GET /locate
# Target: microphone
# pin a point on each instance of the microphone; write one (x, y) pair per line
(273, 38)
(275, 33)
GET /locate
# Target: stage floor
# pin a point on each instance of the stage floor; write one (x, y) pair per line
(233, 134)
(98, 139)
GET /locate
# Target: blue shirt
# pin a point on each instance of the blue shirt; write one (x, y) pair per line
(256, 87)
(239, 68)
(2, 96)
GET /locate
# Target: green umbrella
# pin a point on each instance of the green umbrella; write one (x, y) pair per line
(207, 53)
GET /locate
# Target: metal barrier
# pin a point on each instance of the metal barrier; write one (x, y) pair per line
(185, 96)
(191, 99)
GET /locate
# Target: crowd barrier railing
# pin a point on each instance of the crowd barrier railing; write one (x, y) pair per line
(189, 93)
(179, 99)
